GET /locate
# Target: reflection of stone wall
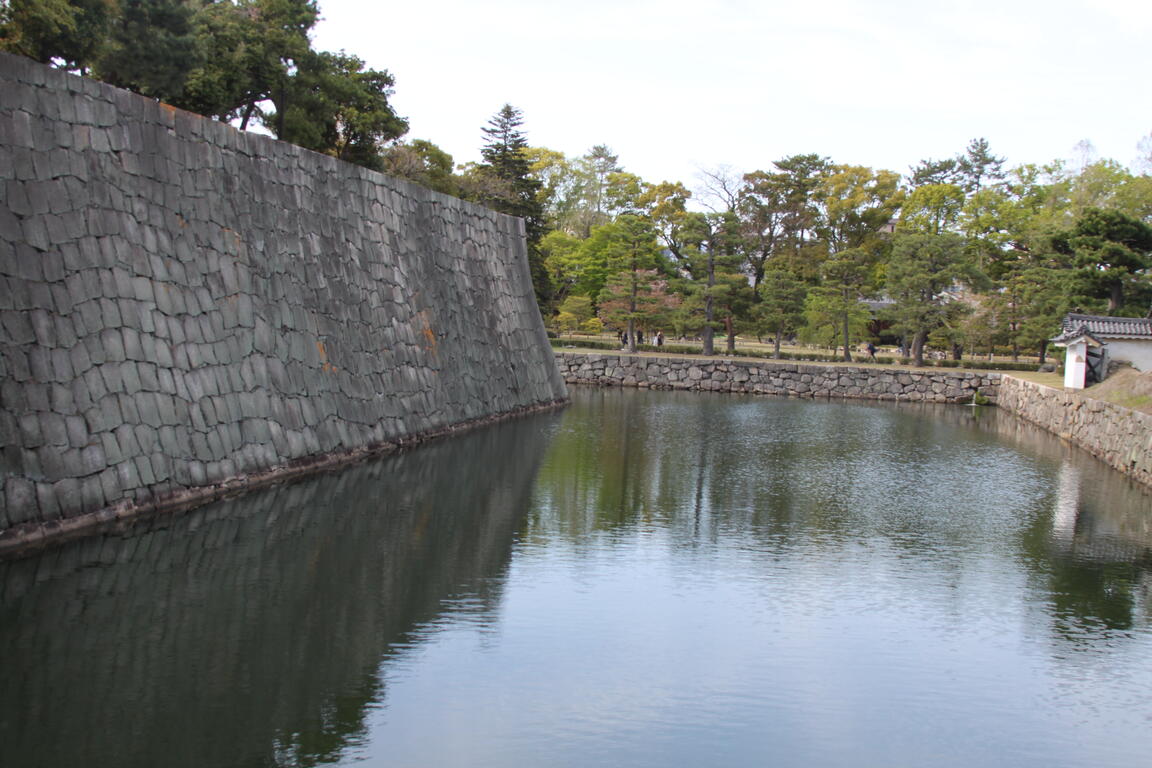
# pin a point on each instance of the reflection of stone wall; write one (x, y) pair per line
(251, 631)
(1121, 437)
(183, 304)
(768, 378)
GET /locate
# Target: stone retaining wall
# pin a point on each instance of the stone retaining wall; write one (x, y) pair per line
(185, 306)
(771, 378)
(1120, 437)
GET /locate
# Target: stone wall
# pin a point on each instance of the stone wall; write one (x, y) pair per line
(771, 378)
(183, 305)
(326, 577)
(1120, 437)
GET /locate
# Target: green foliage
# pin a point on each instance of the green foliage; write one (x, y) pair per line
(932, 209)
(831, 314)
(978, 168)
(559, 186)
(71, 31)
(781, 307)
(506, 163)
(857, 203)
(580, 306)
(921, 270)
(150, 49)
(565, 321)
(635, 288)
(1110, 249)
(422, 162)
(249, 50)
(333, 105)
(592, 325)
(505, 183)
(934, 172)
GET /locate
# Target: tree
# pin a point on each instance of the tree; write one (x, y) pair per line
(848, 275)
(569, 272)
(150, 49)
(781, 306)
(978, 167)
(248, 51)
(932, 209)
(69, 31)
(922, 269)
(801, 177)
(333, 105)
(1031, 299)
(508, 186)
(856, 204)
(764, 207)
(931, 172)
(1110, 249)
(631, 256)
(559, 187)
(594, 170)
(1143, 162)
(666, 205)
(834, 316)
(422, 162)
(711, 267)
(579, 307)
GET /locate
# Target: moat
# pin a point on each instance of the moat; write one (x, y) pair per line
(642, 579)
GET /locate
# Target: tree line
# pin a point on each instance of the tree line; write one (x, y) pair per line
(962, 254)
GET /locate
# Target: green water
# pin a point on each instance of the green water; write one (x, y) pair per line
(642, 579)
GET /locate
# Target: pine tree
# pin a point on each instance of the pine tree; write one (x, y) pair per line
(509, 187)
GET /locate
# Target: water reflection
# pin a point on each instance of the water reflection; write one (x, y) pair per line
(781, 474)
(648, 578)
(250, 632)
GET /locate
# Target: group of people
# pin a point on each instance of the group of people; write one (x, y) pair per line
(657, 340)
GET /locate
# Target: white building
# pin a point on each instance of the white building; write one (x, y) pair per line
(1093, 341)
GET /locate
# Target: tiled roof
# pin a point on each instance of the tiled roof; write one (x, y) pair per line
(1107, 327)
(1070, 336)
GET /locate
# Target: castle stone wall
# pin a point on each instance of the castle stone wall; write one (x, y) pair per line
(184, 305)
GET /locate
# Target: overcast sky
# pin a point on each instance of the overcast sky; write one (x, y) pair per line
(673, 87)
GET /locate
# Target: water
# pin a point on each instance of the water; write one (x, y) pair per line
(645, 579)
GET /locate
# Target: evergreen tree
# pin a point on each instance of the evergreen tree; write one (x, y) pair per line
(68, 31)
(508, 186)
(934, 172)
(1111, 251)
(332, 104)
(978, 167)
(781, 307)
(922, 268)
(248, 50)
(151, 49)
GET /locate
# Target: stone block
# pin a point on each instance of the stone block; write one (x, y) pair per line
(68, 496)
(110, 484)
(62, 371)
(54, 429)
(127, 441)
(20, 500)
(145, 470)
(16, 328)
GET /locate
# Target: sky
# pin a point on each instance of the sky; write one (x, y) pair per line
(676, 88)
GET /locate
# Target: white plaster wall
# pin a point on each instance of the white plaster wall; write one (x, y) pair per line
(1075, 365)
(1139, 353)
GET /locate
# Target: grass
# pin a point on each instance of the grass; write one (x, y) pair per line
(1055, 380)
(1126, 387)
(750, 350)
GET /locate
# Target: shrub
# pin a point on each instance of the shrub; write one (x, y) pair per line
(593, 325)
